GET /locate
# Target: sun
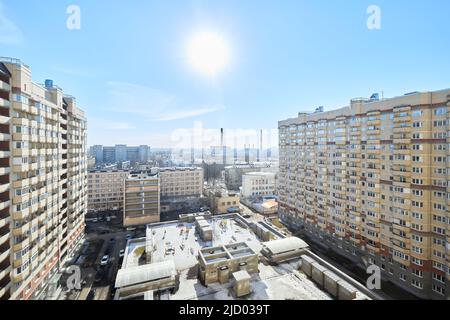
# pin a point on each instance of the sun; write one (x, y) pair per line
(208, 53)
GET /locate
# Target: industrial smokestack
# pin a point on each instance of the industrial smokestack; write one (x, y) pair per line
(221, 137)
(261, 145)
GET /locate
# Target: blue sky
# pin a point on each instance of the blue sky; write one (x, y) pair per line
(127, 64)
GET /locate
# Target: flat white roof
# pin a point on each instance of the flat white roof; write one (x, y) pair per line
(148, 272)
(262, 173)
(285, 245)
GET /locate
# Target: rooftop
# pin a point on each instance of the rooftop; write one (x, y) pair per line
(141, 176)
(286, 244)
(366, 105)
(179, 243)
(174, 169)
(262, 173)
(140, 274)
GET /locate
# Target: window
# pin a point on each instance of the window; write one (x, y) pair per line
(417, 273)
(417, 113)
(438, 289)
(416, 283)
(440, 111)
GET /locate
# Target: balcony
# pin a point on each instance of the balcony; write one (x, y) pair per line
(21, 245)
(18, 168)
(20, 152)
(21, 231)
(20, 184)
(5, 137)
(4, 236)
(400, 130)
(4, 86)
(4, 103)
(374, 122)
(402, 119)
(5, 267)
(4, 119)
(372, 248)
(34, 110)
(355, 241)
(20, 106)
(401, 163)
(16, 278)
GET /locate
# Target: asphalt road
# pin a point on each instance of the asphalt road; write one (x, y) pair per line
(100, 279)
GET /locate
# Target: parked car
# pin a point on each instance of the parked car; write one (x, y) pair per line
(104, 260)
(128, 237)
(121, 253)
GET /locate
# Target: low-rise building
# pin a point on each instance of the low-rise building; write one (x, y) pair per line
(222, 201)
(233, 174)
(258, 184)
(208, 272)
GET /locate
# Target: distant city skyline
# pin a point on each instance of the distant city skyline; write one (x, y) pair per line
(130, 68)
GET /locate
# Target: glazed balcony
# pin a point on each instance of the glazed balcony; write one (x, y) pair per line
(4, 103)
(21, 245)
(21, 231)
(373, 248)
(4, 86)
(402, 119)
(4, 236)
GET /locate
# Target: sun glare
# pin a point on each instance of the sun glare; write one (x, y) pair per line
(208, 53)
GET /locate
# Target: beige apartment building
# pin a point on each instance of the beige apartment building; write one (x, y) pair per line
(181, 182)
(43, 180)
(106, 189)
(371, 181)
(222, 201)
(141, 199)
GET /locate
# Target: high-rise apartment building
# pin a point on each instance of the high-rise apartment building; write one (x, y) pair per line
(105, 189)
(120, 153)
(141, 199)
(371, 181)
(42, 180)
(97, 152)
(109, 155)
(143, 153)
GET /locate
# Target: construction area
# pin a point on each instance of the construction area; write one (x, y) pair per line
(204, 257)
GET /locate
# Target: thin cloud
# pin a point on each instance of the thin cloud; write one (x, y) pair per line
(150, 103)
(186, 114)
(74, 72)
(10, 33)
(110, 125)
(120, 126)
